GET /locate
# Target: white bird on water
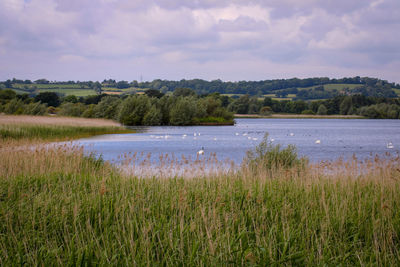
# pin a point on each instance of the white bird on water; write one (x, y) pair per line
(291, 134)
(389, 145)
(318, 141)
(201, 151)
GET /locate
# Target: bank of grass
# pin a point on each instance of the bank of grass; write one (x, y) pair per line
(60, 207)
(54, 128)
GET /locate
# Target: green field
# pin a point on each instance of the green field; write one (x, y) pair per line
(51, 86)
(330, 87)
(76, 92)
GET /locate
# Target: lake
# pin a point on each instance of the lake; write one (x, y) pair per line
(337, 138)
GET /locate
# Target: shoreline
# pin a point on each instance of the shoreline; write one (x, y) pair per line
(296, 116)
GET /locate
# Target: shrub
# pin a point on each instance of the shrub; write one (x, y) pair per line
(269, 156)
(308, 112)
(322, 110)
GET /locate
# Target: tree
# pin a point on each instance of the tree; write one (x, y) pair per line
(184, 92)
(97, 88)
(154, 93)
(133, 110)
(8, 84)
(346, 106)
(153, 116)
(49, 98)
(182, 113)
(107, 108)
(71, 98)
(122, 85)
(322, 110)
(6, 95)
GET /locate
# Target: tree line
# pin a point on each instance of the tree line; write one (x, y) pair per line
(367, 106)
(181, 108)
(280, 87)
(185, 107)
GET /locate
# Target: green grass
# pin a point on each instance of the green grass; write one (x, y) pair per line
(330, 87)
(94, 219)
(60, 207)
(51, 86)
(76, 92)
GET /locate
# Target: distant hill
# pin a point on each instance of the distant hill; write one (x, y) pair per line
(305, 89)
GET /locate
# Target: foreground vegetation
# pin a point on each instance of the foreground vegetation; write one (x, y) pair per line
(60, 207)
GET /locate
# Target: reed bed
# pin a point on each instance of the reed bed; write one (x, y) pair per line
(54, 128)
(166, 165)
(59, 206)
(53, 120)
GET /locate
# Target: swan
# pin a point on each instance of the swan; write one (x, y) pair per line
(389, 145)
(201, 151)
(318, 141)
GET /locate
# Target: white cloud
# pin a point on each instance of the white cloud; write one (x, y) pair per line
(205, 38)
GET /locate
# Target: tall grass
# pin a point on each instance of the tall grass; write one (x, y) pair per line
(60, 207)
(50, 128)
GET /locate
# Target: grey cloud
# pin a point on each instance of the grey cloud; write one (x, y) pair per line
(349, 34)
(242, 23)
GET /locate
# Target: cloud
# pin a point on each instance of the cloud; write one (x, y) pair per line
(202, 38)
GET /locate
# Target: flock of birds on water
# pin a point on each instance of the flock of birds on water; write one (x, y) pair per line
(389, 145)
(201, 151)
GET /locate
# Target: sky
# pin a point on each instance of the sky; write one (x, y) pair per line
(208, 39)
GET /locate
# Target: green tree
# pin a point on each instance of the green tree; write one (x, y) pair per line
(133, 109)
(97, 88)
(346, 106)
(49, 98)
(182, 113)
(71, 109)
(15, 106)
(6, 95)
(70, 98)
(153, 116)
(107, 108)
(322, 110)
(184, 92)
(35, 108)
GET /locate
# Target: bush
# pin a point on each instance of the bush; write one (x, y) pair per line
(35, 108)
(266, 111)
(71, 109)
(322, 110)
(308, 112)
(268, 156)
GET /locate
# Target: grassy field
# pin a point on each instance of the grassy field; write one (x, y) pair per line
(76, 92)
(330, 87)
(50, 86)
(60, 207)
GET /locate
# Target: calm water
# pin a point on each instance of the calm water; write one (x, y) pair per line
(338, 138)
